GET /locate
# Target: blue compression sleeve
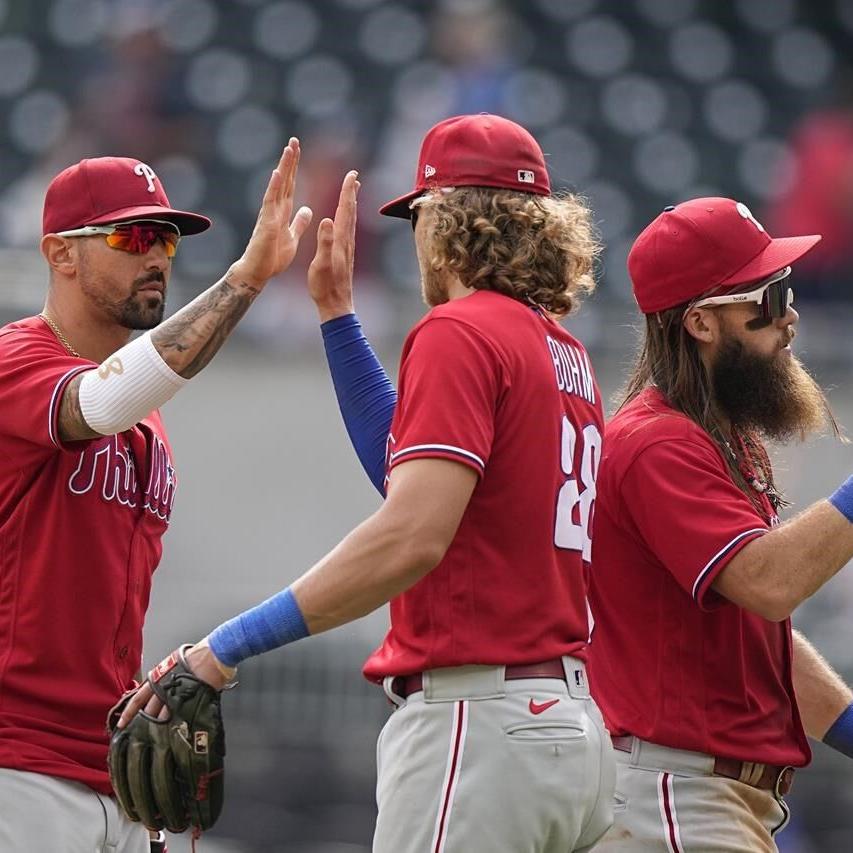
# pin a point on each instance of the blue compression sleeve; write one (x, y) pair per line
(273, 623)
(840, 734)
(366, 396)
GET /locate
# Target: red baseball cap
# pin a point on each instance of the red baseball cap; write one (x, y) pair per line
(480, 150)
(702, 244)
(111, 189)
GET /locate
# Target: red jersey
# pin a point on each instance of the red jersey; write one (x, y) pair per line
(495, 385)
(80, 530)
(672, 661)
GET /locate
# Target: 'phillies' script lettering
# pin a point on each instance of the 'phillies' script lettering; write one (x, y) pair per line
(108, 465)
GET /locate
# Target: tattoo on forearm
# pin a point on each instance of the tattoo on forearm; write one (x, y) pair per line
(189, 340)
(72, 424)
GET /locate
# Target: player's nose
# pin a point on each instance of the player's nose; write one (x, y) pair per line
(156, 257)
(791, 317)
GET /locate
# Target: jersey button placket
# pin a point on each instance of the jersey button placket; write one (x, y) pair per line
(131, 619)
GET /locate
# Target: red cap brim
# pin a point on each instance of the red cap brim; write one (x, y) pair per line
(188, 223)
(399, 207)
(779, 252)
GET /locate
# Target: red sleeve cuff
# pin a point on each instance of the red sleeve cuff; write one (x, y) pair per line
(703, 595)
(56, 397)
(437, 451)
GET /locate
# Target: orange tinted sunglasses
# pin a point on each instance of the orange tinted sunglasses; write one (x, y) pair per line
(137, 237)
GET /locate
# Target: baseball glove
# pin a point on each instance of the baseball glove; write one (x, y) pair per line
(169, 774)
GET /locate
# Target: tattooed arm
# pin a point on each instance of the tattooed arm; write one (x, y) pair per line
(72, 425)
(188, 340)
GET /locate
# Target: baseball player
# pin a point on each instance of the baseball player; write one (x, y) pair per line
(483, 542)
(707, 692)
(706, 688)
(87, 479)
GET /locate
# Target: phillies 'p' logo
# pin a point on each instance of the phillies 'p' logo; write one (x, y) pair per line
(143, 169)
(746, 213)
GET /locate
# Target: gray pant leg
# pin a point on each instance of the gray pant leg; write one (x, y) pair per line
(661, 812)
(43, 813)
(485, 775)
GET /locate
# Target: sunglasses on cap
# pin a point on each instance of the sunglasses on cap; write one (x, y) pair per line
(416, 202)
(137, 237)
(413, 208)
(774, 296)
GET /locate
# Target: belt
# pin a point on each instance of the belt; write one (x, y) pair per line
(405, 685)
(767, 777)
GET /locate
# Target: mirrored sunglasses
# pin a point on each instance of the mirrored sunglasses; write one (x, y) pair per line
(774, 296)
(137, 237)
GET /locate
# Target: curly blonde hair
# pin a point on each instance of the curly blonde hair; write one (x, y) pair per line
(537, 249)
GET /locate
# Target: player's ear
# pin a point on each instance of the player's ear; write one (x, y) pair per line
(701, 324)
(59, 254)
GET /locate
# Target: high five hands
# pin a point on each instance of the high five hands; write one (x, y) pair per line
(275, 238)
(330, 273)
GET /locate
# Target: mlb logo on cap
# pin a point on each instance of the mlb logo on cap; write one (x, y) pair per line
(480, 150)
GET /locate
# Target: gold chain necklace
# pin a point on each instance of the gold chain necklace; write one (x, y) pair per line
(58, 332)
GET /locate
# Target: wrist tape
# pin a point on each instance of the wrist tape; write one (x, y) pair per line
(273, 623)
(840, 734)
(842, 498)
(127, 386)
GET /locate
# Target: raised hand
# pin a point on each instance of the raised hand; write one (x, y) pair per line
(275, 239)
(330, 273)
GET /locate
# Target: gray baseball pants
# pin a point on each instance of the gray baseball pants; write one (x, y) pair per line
(474, 763)
(41, 813)
(667, 801)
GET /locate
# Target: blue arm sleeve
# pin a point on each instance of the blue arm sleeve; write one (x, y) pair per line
(366, 396)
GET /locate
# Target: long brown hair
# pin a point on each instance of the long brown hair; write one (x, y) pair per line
(668, 357)
(537, 249)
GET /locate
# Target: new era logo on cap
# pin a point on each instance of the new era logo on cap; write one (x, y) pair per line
(704, 245)
(111, 189)
(480, 150)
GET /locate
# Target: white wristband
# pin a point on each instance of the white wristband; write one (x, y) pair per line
(128, 386)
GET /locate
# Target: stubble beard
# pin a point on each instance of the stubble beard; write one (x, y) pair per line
(772, 394)
(142, 313)
(135, 312)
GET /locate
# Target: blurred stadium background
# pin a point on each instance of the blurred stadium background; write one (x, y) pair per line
(637, 104)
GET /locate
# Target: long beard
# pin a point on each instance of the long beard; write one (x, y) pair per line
(772, 394)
